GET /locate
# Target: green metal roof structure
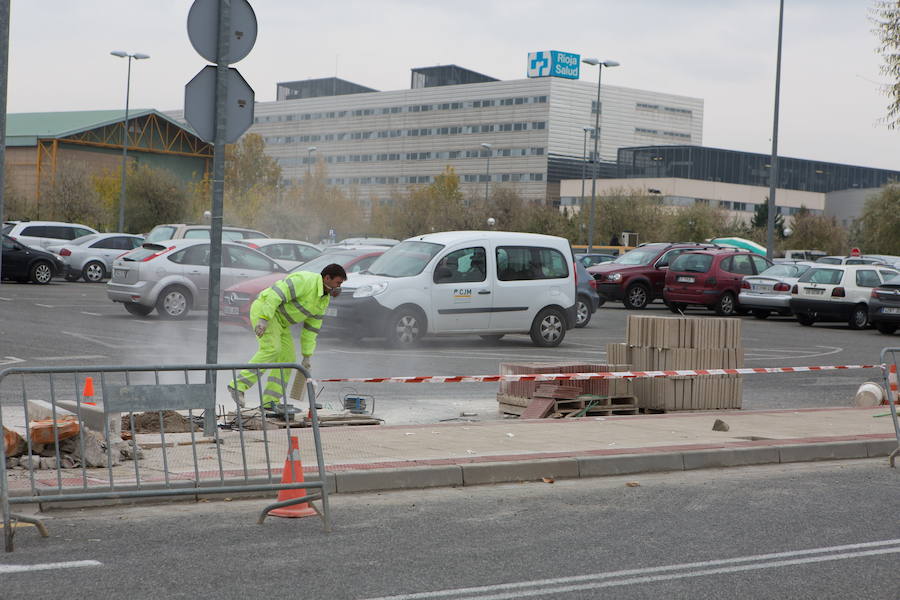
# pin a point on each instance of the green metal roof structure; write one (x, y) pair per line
(25, 129)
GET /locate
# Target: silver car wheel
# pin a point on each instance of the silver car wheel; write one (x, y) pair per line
(582, 312)
(42, 273)
(551, 328)
(175, 303)
(93, 272)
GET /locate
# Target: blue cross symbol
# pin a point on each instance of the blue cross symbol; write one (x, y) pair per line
(540, 62)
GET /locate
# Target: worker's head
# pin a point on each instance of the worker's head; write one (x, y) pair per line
(332, 277)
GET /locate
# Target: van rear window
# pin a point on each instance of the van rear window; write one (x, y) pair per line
(518, 263)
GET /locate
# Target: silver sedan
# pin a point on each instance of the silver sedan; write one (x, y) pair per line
(770, 291)
(90, 257)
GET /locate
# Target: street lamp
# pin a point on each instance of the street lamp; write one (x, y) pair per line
(487, 181)
(584, 162)
(129, 56)
(596, 62)
(309, 152)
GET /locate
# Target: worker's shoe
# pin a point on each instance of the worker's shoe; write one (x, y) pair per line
(237, 395)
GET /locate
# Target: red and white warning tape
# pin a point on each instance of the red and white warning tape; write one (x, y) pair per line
(600, 375)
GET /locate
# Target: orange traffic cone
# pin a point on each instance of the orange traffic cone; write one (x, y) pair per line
(88, 393)
(293, 473)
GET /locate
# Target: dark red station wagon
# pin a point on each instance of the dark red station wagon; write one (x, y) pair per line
(710, 278)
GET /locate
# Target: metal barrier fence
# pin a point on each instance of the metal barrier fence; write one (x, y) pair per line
(93, 464)
(889, 368)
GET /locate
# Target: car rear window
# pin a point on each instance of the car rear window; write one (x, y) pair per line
(823, 276)
(145, 251)
(160, 233)
(785, 270)
(829, 261)
(692, 263)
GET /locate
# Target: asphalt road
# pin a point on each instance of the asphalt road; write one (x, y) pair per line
(813, 530)
(74, 324)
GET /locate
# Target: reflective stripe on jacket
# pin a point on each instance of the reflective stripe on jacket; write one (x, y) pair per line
(299, 298)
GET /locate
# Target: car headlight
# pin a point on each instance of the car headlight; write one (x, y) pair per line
(236, 297)
(372, 289)
(615, 277)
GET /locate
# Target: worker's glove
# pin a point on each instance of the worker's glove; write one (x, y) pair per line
(260, 328)
(306, 364)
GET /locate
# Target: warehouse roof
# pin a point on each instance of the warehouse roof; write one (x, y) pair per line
(25, 129)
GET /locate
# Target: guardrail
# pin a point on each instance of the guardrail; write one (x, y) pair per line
(889, 368)
(80, 455)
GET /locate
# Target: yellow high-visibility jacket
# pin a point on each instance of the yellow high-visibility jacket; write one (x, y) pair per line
(298, 298)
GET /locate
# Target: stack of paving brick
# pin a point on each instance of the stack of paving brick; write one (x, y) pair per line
(514, 396)
(679, 343)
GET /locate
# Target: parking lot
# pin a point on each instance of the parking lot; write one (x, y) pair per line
(66, 324)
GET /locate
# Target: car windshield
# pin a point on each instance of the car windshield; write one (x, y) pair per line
(405, 259)
(638, 256)
(692, 263)
(824, 276)
(785, 270)
(160, 233)
(320, 262)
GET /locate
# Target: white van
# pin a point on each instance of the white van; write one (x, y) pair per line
(488, 283)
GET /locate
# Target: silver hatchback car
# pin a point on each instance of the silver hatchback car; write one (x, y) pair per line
(173, 276)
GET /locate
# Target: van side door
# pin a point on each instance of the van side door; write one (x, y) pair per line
(461, 291)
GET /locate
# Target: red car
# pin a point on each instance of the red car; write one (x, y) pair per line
(638, 276)
(710, 278)
(237, 299)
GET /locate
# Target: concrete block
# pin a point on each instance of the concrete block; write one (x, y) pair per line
(398, 479)
(730, 457)
(39, 410)
(823, 451)
(881, 447)
(93, 417)
(526, 470)
(600, 466)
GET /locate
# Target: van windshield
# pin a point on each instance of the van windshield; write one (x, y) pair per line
(638, 256)
(406, 259)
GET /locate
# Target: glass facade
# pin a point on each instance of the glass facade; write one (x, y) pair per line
(746, 168)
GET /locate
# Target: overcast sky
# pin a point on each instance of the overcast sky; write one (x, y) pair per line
(722, 51)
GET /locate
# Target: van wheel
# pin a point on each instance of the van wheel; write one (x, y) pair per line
(725, 307)
(886, 328)
(494, 337)
(174, 303)
(405, 328)
(805, 320)
(549, 328)
(582, 312)
(859, 318)
(41, 272)
(637, 296)
(761, 313)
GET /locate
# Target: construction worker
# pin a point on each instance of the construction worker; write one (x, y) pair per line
(299, 298)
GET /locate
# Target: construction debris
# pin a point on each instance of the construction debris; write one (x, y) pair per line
(13, 443)
(720, 425)
(47, 430)
(515, 397)
(149, 422)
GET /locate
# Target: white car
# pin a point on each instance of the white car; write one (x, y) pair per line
(487, 283)
(287, 253)
(40, 234)
(837, 293)
(91, 257)
(770, 291)
(847, 260)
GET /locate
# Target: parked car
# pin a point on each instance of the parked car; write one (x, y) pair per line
(804, 255)
(367, 241)
(587, 300)
(770, 291)
(236, 300)
(847, 260)
(287, 253)
(179, 231)
(884, 306)
(837, 293)
(24, 263)
(487, 283)
(589, 260)
(174, 278)
(637, 277)
(885, 259)
(91, 257)
(40, 234)
(711, 278)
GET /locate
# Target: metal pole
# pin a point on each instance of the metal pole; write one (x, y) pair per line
(215, 234)
(595, 158)
(583, 168)
(487, 182)
(773, 173)
(124, 151)
(4, 64)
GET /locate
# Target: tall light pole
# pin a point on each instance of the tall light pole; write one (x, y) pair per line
(309, 152)
(596, 62)
(584, 161)
(487, 180)
(773, 173)
(129, 56)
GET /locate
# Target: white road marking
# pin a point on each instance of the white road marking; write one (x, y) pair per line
(11, 360)
(43, 305)
(97, 340)
(6, 299)
(4, 569)
(789, 354)
(562, 585)
(84, 312)
(81, 357)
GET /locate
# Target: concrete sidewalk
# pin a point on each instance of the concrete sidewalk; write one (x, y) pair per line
(369, 458)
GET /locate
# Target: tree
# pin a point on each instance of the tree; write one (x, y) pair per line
(760, 219)
(153, 196)
(879, 225)
(697, 223)
(817, 232)
(885, 14)
(252, 180)
(71, 196)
